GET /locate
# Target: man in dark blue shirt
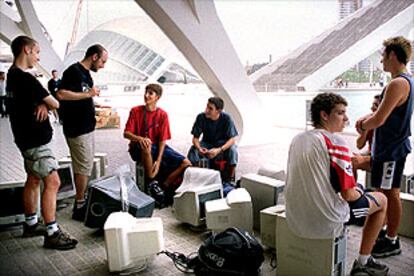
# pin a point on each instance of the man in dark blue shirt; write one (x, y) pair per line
(218, 142)
(53, 86)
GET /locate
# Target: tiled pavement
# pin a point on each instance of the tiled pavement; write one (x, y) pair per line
(20, 256)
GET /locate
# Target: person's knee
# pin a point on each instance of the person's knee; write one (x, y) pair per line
(233, 155)
(52, 181)
(380, 199)
(186, 163)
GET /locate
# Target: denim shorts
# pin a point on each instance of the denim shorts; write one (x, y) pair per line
(40, 161)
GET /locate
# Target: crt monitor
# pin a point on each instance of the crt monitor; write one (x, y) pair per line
(189, 206)
(67, 185)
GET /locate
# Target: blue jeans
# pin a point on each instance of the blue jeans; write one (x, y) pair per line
(230, 155)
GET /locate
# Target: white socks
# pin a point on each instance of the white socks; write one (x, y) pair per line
(51, 228)
(31, 219)
(363, 259)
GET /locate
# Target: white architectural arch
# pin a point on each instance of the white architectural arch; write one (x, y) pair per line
(195, 29)
(12, 26)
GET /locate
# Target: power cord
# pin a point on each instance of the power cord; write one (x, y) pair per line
(182, 262)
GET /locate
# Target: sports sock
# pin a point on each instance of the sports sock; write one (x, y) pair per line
(363, 259)
(80, 203)
(392, 239)
(31, 219)
(51, 228)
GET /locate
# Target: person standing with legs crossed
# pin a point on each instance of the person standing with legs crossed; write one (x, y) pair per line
(29, 118)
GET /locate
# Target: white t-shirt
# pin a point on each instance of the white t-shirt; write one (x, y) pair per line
(319, 168)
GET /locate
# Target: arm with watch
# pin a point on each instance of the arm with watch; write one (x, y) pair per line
(216, 151)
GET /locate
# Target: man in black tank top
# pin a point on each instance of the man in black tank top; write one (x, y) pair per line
(391, 138)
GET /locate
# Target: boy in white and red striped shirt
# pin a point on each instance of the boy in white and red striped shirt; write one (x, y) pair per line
(321, 194)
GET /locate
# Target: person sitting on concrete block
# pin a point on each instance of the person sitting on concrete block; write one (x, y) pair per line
(321, 193)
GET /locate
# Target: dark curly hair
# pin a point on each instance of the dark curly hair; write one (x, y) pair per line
(324, 102)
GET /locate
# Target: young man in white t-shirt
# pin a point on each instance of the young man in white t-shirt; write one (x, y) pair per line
(321, 194)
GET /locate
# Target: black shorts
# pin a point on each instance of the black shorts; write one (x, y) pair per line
(387, 174)
(170, 161)
(359, 209)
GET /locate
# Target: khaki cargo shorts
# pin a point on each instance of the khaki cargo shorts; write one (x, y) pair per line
(82, 151)
(40, 161)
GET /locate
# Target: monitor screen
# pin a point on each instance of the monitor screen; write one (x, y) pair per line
(12, 202)
(202, 198)
(67, 187)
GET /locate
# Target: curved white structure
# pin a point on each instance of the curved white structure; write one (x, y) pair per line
(29, 24)
(194, 27)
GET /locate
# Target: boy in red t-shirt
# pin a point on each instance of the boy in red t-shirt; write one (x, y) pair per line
(148, 130)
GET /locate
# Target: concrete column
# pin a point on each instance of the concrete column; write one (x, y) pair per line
(195, 29)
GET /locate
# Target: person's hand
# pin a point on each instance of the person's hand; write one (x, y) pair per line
(213, 152)
(41, 112)
(203, 151)
(145, 143)
(94, 91)
(358, 126)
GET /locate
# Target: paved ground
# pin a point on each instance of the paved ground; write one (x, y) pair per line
(20, 256)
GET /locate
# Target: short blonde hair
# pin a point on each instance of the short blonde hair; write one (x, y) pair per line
(154, 87)
(401, 48)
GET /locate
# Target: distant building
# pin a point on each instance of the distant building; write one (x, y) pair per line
(346, 8)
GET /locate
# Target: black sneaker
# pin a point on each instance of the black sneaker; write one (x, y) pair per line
(35, 230)
(371, 268)
(385, 248)
(157, 194)
(60, 241)
(79, 213)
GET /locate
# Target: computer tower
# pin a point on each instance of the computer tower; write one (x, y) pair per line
(103, 161)
(301, 256)
(11, 202)
(407, 218)
(264, 192)
(104, 198)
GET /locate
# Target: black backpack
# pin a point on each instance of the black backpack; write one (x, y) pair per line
(231, 252)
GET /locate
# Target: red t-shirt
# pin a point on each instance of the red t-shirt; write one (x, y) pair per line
(157, 126)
